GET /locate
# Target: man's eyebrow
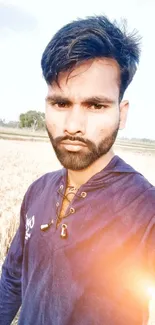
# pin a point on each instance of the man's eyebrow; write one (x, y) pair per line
(87, 100)
(57, 98)
(98, 100)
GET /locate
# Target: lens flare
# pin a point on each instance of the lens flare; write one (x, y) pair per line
(151, 292)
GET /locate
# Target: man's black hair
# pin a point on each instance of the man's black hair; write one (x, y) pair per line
(90, 38)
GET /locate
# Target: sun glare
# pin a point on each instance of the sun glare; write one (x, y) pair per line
(151, 292)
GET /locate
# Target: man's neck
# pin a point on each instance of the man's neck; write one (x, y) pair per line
(80, 177)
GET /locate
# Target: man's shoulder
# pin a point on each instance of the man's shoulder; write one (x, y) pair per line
(132, 190)
(43, 183)
(46, 178)
(133, 177)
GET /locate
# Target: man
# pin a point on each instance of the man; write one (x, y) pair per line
(84, 250)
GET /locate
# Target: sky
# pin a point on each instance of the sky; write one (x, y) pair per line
(26, 26)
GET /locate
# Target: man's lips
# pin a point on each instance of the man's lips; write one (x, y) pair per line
(73, 143)
(73, 146)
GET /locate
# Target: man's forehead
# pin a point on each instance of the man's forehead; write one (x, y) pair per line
(90, 78)
(94, 67)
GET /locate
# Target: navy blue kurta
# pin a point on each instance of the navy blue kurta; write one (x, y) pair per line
(100, 273)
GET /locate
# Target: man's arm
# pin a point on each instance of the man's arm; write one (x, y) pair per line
(10, 283)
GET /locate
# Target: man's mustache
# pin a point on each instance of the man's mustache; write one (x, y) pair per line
(58, 140)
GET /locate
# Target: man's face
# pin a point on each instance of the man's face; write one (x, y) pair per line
(83, 113)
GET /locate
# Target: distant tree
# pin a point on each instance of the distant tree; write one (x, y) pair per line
(13, 124)
(10, 124)
(32, 119)
(2, 122)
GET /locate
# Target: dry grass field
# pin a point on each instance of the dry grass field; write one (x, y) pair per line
(21, 162)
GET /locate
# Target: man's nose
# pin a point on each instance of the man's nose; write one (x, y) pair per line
(75, 121)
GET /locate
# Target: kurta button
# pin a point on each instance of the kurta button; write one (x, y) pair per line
(83, 194)
(57, 204)
(72, 210)
(46, 226)
(64, 233)
(61, 187)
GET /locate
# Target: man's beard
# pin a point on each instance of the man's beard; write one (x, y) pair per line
(87, 155)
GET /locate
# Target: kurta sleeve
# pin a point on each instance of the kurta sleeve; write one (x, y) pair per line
(10, 282)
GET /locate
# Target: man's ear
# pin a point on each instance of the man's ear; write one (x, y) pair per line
(124, 106)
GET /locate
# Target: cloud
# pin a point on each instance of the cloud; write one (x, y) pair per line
(14, 18)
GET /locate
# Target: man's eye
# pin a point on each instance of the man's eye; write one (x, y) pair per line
(61, 105)
(97, 106)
